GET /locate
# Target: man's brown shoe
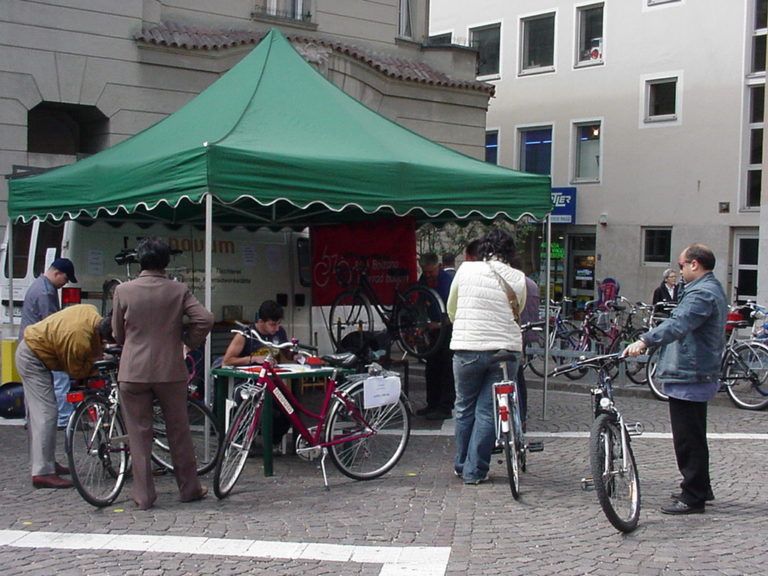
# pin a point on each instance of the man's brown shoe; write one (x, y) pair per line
(61, 470)
(50, 481)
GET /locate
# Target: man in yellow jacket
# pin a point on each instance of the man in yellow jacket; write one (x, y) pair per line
(69, 341)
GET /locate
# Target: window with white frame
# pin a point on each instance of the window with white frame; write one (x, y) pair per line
(759, 35)
(487, 41)
(492, 146)
(754, 155)
(661, 101)
(405, 29)
(538, 43)
(587, 152)
(536, 150)
(590, 34)
(657, 245)
(288, 9)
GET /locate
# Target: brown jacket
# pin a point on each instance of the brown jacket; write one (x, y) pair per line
(67, 340)
(147, 320)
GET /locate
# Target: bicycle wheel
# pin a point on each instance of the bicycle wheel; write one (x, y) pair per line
(97, 451)
(635, 368)
(379, 441)
(746, 375)
(650, 374)
(234, 453)
(206, 436)
(418, 320)
(572, 344)
(513, 464)
(349, 320)
(535, 360)
(614, 473)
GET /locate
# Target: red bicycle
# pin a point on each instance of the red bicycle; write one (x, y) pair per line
(365, 431)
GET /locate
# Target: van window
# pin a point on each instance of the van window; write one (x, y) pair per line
(22, 234)
(48, 236)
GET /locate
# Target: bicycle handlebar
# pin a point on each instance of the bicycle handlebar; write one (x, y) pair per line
(293, 343)
(596, 362)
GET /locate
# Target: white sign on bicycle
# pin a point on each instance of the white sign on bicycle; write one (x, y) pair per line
(380, 390)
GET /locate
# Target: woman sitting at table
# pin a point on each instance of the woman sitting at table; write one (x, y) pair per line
(244, 351)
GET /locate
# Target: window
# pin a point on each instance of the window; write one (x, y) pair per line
(71, 129)
(661, 100)
(755, 146)
(655, 2)
(487, 41)
(492, 147)
(590, 48)
(536, 150)
(587, 162)
(441, 39)
(405, 29)
(287, 9)
(657, 245)
(759, 35)
(538, 37)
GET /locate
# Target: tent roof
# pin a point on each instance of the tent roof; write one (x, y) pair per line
(277, 144)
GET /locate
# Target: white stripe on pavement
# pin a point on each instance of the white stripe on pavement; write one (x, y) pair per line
(396, 560)
(448, 430)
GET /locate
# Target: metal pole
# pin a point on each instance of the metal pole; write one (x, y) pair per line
(208, 292)
(546, 316)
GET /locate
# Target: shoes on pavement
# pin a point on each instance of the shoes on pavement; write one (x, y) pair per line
(679, 495)
(200, 495)
(424, 411)
(50, 481)
(61, 470)
(679, 508)
(439, 415)
(486, 478)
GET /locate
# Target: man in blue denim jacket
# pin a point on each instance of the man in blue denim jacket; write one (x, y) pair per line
(693, 338)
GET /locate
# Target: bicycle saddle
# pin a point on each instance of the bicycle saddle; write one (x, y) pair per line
(505, 356)
(341, 360)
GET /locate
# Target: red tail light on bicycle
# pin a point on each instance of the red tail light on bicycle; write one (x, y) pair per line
(75, 397)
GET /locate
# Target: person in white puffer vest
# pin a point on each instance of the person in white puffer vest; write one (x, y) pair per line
(484, 303)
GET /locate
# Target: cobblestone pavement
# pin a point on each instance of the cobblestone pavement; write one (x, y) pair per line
(419, 519)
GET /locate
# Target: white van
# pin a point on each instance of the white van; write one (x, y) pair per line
(249, 266)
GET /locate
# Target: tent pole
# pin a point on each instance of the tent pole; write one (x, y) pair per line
(9, 265)
(208, 298)
(546, 317)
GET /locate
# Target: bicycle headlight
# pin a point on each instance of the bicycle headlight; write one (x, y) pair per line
(605, 403)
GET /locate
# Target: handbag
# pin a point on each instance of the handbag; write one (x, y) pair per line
(511, 296)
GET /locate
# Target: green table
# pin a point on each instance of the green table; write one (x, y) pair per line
(224, 382)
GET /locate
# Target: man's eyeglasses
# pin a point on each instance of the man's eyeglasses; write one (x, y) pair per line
(683, 263)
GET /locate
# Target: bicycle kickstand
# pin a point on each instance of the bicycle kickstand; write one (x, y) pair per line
(322, 466)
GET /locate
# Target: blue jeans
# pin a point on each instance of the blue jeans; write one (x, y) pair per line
(61, 389)
(475, 373)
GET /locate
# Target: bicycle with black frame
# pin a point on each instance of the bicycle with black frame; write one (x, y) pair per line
(614, 471)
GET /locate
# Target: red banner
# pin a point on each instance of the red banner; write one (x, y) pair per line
(384, 251)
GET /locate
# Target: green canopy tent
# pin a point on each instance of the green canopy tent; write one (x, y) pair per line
(274, 143)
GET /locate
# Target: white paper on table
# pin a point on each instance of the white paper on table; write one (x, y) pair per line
(380, 390)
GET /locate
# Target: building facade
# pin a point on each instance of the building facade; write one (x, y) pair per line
(79, 76)
(648, 114)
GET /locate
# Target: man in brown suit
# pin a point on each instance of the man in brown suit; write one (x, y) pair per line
(148, 315)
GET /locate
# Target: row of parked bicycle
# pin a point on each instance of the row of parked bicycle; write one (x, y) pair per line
(609, 327)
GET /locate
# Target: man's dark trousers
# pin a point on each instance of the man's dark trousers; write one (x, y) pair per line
(689, 436)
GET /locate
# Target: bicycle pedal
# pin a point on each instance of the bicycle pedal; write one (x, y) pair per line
(635, 428)
(535, 446)
(587, 484)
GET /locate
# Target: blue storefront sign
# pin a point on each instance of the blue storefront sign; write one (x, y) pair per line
(563, 206)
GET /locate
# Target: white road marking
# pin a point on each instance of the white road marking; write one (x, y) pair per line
(395, 560)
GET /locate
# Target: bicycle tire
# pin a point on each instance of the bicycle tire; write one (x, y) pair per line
(371, 456)
(635, 370)
(234, 452)
(416, 310)
(206, 436)
(650, 375)
(618, 489)
(350, 315)
(96, 444)
(574, 341)
(509, 442)
(746, 375)
(536, 363)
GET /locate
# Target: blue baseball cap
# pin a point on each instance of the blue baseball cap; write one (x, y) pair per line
(65, 265)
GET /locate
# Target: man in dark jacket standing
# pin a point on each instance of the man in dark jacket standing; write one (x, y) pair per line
(689, 367)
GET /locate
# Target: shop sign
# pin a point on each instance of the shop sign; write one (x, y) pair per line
(563, 206)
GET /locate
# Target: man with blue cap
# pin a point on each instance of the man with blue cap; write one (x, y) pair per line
(42, 300)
